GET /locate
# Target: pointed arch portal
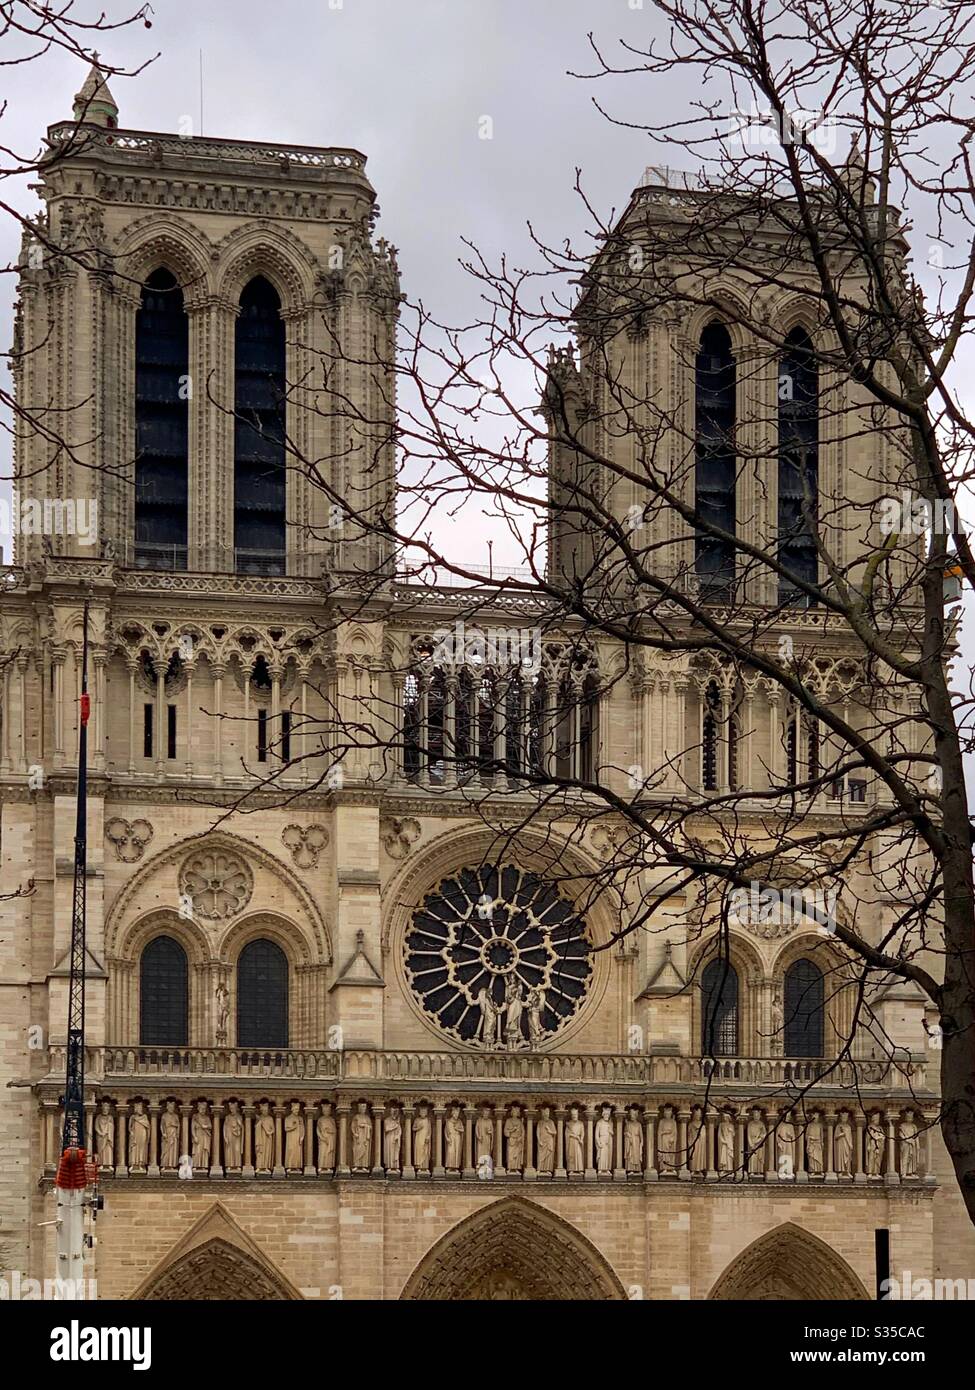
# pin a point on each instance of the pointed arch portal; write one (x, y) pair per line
(788, 1264)
(216, 1261)
(514, 1250)
(217, 1271)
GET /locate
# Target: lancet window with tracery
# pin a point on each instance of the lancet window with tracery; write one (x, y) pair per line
(498, 722)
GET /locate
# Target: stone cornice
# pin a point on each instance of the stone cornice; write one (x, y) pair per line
(132, 150)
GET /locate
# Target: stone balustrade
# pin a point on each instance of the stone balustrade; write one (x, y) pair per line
(630, 1072)
(160, 1133)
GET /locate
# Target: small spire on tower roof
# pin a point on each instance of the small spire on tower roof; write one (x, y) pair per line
(94, 104)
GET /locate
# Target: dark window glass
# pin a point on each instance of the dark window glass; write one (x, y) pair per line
(734, 740)
(262, 996)
(147, 731)
(798, 465)
(792, 749)
(259, 432)
(161, 424)
(163, 994)
(804, 1010)
(709, 739)
(170, 731)
(436, 730)
(412, 733)
(715, 473)
(719, 1010)
(262, 735)
(813, 765)
(514, 732)
(286, 736)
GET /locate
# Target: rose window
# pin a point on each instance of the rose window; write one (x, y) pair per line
(497, 958)
(218, 885)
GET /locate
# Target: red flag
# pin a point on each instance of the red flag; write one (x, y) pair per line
(85, 707)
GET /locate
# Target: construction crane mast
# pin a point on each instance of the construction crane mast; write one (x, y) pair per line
(75, 1173)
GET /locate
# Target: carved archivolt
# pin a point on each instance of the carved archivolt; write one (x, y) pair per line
(513, 1249)
(163, 239)
(788, 1263)
(216, 1260)
(275, 253)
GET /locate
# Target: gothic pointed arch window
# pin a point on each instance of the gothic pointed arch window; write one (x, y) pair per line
(716, 464)
(719, 1009)
(163, 994)
(798, 465)
(259, 432)
(804, 1008)
(161, 424)
(262, 995)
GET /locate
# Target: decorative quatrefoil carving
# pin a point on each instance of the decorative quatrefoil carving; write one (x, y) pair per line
(306, 843)
(129, 837)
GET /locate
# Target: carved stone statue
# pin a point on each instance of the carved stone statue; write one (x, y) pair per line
(233, 1137)
(726, 1143)
(545, 1134)
(327, 1132)
(264, 1139)
(535, 1004)
(169, 1136)
(453, 1134)
(814, 1145)
(514, 1133)
(907, 1130)
(843, 1144)
(778, 1020)
(201, 1132)
(422, 1139)
(603, 1136)
(484, 1137)
(875, 1143)
(756, 1135)
(361, 1130)
(489, 1027)
(785, 1146)
(667, 1141)
(105, 1136)
(294, 1138)
(223, 1013)
(392, 1139)
(575, 1142)
(138, 1137)
(514, 1000)
(697, 1142)
(633, 1141)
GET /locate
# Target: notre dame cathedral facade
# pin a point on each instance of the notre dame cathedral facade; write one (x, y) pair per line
(304, 1079)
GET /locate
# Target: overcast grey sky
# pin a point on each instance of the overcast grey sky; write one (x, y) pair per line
(404, 81)
(407, 82)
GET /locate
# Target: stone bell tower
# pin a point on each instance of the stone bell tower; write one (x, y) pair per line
(204, 337)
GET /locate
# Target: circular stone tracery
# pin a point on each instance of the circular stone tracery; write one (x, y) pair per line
(218, 884)
(497, 958)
